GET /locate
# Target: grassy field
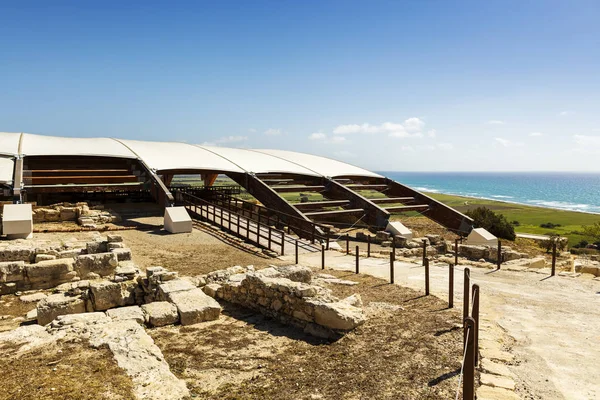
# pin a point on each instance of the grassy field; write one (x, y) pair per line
(530, 218)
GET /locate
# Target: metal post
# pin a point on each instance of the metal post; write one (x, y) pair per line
(475, 316)
(322, 257)
(427, 277)
(466, 291)
(296, 246)
(392, 259)
(347, 244)
(499, 261)
(357, 259)
(424, 250)
(369, 246)
(451, 287)
(469, 362)
(456, 252)
(554, 258)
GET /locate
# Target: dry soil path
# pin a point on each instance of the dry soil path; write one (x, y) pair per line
(555, 321)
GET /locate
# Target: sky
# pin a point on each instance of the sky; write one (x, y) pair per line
(387, 85)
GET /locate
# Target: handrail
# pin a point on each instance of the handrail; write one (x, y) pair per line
(209, 209)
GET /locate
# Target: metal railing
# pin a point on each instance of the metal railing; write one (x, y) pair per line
(303, 228)
(234, 222)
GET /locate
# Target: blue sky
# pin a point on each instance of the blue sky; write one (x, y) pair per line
(388, 85)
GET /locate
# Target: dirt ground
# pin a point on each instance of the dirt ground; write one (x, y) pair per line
(409, 348)
(62, 372)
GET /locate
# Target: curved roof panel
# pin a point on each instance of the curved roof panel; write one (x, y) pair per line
(9, 143)
(7, 166)
(321, 165)
(39, 145)
(163, 156)
(252, 161)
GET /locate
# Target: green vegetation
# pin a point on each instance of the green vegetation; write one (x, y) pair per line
(496, 224)
(530, 218)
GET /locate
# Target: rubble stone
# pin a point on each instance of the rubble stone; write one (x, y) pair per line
(32, 298)
(106, 294)
(194, 306)
(103, 264)
(11, 271)
(58, 304)
(50, 273)
(126, 313)
(177, 285)
(160, 313)
(123, 254)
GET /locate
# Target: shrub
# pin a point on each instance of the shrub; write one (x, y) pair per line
(496, 224)
(515, 223)
(561, 243)
(549, 225)
(581, 245)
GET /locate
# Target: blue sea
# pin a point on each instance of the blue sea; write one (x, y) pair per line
(565, 191)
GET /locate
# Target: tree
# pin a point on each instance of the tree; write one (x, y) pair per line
(592, 231)
(496, 224)
(547, 244)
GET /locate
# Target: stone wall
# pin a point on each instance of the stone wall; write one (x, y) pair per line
(284, 294)
(81, 213)
(488, 253)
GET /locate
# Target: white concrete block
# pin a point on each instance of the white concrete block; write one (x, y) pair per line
(481, 237)
(177, 220)
(17, 221)
(398, 229)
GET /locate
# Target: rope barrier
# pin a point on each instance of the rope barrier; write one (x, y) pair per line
(351, 226)
(462, 365)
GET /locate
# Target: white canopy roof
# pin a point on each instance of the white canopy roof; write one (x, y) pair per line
(165, 156)
(6, 170)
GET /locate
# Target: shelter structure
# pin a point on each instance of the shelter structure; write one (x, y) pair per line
(42, 168)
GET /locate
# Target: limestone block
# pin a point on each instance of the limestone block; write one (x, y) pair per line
(160, 313)
(211, 289)
(68, 213)
(50, 273)
(397, 228)
(473, 252)
(11, 271)
(177, 285)
(115, 245)
(103, 264)
(114, 238)
(17, 221)
(382, 235)
(296, 273)
(434, 239)
(493, 393)
(8, 288)
(126, 313)
(177, 220)
(17, 253)
(126, 268)
(44, 257)
(497, 381)
(337, 316)
(71, 253)
(122, 254)
(58, 304)
(97, 246)
(195, 306)
(106, 294)
(32, 298)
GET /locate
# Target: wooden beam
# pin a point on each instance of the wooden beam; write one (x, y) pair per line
(359, 211)
(294, 189)
(75, 188)
(416, 207)
(92, 179)
(312, 205)
(73, 172)
(392, 200)
(358, 186)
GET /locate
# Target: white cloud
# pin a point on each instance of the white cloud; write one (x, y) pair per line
(536, 134)
(585, 141)
(252, 130)
(432, 133)
(565, 113)
(495, 122)
(225, 140)
(414, 124)
(317, 136)
(272, 132)
(507, 143)
(336, 139)
(411, 127)
(445, 146)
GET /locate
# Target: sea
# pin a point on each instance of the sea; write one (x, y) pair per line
(559, 190)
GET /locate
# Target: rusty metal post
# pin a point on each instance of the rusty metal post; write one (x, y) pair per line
(451, 287)
(357, 259)
(347, 244)
(424, 250)
(456, 252)
(499, 261)
(322, 257)
(369, 246)
(296, 245)
(427, 277)
(392, 259)
(469, 361)
(466, 291)
(554, 258)
(475, 316)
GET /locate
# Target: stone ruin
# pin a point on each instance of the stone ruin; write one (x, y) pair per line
(408, 247)
(85, 215)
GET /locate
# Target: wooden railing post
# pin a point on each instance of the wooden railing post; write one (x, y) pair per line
(369, 246)
(426, 276)
(451, 287)
(469, 361)
(554, 258)
(283, 243)
(347, 244)
(269, 237)
(357, 259)
(392, 259)
(322, 257)
(456, 252)
(466, 292)
(424, 250)
(296, 247)
(499, 258)
(475, 315)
